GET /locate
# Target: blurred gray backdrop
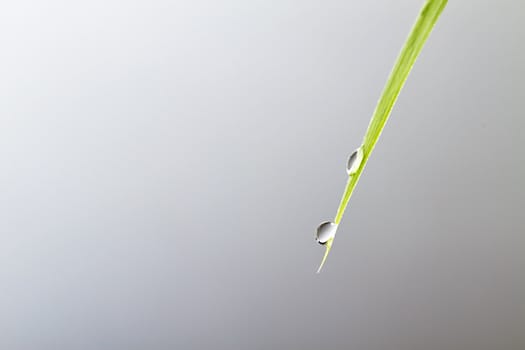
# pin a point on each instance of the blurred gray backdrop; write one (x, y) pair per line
(164, 165)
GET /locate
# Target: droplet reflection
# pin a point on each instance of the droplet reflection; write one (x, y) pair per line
(354, 161)
(325, 232)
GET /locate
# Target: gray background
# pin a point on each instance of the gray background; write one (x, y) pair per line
(164, 165)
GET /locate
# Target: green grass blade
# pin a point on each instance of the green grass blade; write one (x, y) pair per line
(411, 49)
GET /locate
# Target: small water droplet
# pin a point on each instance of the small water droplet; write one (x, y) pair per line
(325, 232)
(354, 161)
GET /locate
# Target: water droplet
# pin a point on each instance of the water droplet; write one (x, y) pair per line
(325, 232)
(354, 161)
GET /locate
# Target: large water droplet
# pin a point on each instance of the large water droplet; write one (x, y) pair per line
(354, 161)
(325, 232)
